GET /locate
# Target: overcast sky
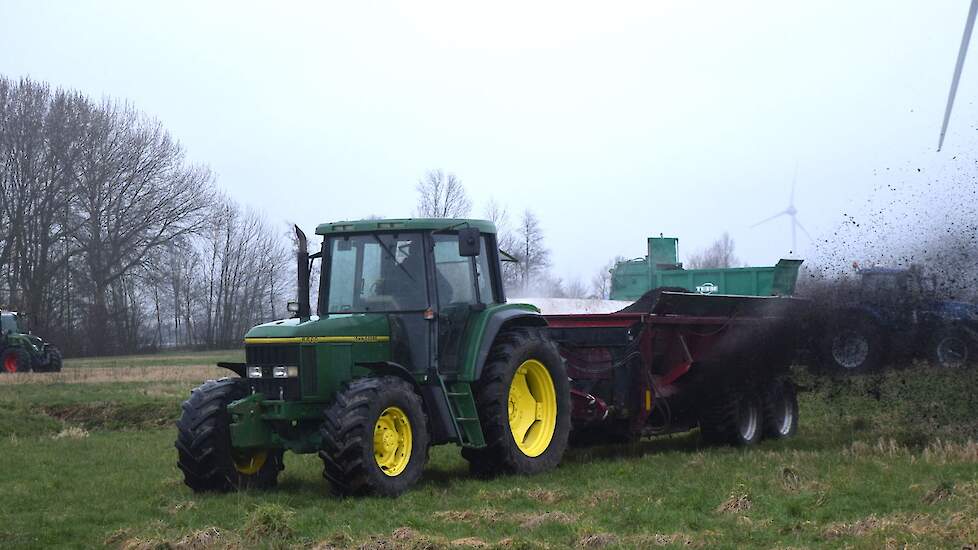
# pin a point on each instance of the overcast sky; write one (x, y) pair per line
(612, 121)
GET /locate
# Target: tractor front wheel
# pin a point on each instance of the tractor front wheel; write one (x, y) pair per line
(204, 451)
(54, 360)
(15, 360)
(375, 438)
(950, 348)
(523, 398)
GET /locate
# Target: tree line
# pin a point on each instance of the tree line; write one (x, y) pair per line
(111, 241)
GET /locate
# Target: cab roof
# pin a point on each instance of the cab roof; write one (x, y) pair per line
(405, 224)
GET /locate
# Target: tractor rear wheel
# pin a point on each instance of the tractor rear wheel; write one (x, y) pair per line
(204, 451)
(523, 399)
(15, 360)
(732, 418)
(780, 409)
(375, 438)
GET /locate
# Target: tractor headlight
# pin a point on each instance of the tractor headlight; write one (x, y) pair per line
(254, 371)
(285, 372)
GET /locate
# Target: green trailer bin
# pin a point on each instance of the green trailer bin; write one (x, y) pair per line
(633, 278)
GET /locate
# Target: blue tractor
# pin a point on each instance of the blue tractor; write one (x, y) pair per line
(893, 313)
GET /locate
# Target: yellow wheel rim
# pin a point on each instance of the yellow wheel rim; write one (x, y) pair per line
(249, 463)
(532, 407)
(392, 441)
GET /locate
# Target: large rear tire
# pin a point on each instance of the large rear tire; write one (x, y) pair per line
(523, 398)
(732, 417)
(375, 438)
(780, 409)
(951, 348)
(15, 360)
(204, 451)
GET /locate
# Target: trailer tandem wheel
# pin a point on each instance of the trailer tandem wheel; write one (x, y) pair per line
(732, 417)
(780, 409)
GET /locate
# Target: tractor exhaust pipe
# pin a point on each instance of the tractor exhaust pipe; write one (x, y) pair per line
(302, 263)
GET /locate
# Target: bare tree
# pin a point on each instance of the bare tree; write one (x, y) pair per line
(506, 241)
(718, 255)
(533, 256)
(601, 281)
(441, 196)
(109, 241)
(135, 193)
(575, 289)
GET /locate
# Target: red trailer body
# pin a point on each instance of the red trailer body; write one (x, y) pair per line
(715, 362)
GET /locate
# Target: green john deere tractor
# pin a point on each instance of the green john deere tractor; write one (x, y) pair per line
(21, 351)
(413, 345)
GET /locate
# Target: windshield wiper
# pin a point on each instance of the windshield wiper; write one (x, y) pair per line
(393, 257)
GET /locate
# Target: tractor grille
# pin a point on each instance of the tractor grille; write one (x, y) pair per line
(268, 356)
(272, 355)
(309, 371)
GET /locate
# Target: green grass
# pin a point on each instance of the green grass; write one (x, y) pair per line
(163, 359)
(865, 471)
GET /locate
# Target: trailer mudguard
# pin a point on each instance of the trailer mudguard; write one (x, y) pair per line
(499, 319)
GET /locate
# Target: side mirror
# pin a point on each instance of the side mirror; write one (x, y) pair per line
(469, 242)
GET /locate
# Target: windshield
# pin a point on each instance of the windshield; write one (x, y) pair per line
(376, 273)
(8, 323)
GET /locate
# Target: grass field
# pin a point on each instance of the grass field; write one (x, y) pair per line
(883, 460)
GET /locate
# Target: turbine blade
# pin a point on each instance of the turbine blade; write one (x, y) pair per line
(765, 220)
(794, 180)
(962, 53)
(803, 230)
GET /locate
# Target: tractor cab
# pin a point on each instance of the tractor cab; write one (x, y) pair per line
(9, 323)
(903, 288)
(426, 277)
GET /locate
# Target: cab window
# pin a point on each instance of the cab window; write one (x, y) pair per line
(453, 275)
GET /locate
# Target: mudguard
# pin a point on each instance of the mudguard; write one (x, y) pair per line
(499, 320)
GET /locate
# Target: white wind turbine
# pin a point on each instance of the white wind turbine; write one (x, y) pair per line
(792, 213)
(969, 25)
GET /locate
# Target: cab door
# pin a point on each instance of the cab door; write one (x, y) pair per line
(463, 288)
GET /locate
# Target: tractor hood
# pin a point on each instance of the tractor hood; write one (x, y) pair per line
(357, 327)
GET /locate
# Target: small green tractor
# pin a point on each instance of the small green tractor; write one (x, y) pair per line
(21, 351)
(413, 345)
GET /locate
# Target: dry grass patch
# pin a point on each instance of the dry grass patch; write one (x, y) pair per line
(738, 502)
(958, 528)
(597, 540)
(532, 521)
(661, 539)
(71, 432)
(469, 542)
(487, 515)
(604, 496)
(942, 452)
(98, 375)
